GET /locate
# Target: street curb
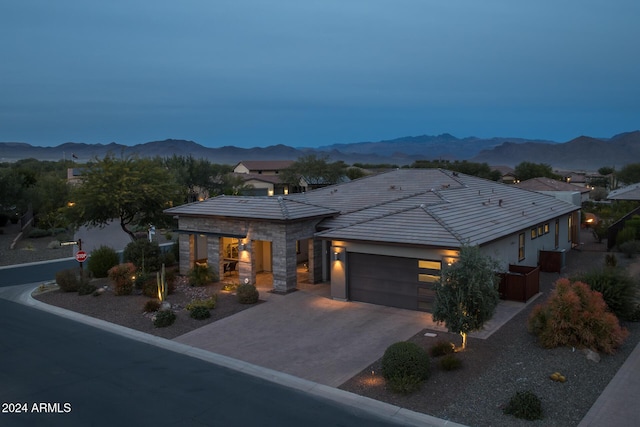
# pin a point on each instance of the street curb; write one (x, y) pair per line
(383, 410)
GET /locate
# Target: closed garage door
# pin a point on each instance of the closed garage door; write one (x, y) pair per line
(387, 280)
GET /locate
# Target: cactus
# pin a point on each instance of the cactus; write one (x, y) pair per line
(162, 285)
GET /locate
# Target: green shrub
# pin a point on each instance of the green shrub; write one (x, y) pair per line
(151, 306)
(150, 285)
(405, 365)
(635, 316)
(168, 258)
(627, 234)
(526, 405)
(68, 280)
(200, 313)
(101, 260)
(617, 288)
(201, 275)
(630, 248)
(441, 348)
(164, 318)
(209, 303)
(4, 218)
(450, 362)
(86, 288)
(576, 316)
(122, 277)
(143, 254)
(38, 232)
(247, 294)
(168, 235)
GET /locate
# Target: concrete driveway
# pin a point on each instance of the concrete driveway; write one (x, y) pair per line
(310, 336)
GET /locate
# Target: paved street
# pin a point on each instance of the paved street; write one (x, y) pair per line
(44, 271)
(109, 380)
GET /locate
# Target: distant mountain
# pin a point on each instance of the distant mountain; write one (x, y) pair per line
(582, 153)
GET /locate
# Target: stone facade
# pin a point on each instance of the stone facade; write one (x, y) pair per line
(282, 235)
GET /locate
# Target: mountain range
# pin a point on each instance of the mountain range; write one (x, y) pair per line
(581, 153)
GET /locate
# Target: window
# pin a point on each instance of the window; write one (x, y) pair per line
(546, 228)
(534, 233)
(540, 230)
(521, 246)
(569, 223)
(429, 271)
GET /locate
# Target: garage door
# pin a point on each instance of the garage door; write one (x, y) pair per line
(390, 281)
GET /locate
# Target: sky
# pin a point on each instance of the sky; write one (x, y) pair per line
(309, 73)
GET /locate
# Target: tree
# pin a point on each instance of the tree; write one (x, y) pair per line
(134, 191)
(467, 293)
(316, 171)
(630, 173)
(528, 170)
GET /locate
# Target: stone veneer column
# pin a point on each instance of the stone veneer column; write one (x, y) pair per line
(285, 277)
(213, 254)
(315, 260)
(184, 247)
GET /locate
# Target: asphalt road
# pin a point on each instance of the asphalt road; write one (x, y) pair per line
(34, 272)
(89, 377)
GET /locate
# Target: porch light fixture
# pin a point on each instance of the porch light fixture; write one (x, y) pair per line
(336, 256)
(242, 246)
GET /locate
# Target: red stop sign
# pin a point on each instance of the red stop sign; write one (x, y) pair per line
(81, 256)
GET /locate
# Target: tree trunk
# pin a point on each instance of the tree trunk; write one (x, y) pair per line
(126, 230)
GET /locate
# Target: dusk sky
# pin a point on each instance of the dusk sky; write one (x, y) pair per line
(316, 72)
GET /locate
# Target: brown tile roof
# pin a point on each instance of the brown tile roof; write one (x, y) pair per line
(548, 184)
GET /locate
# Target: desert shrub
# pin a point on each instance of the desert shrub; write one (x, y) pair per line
(38, 232)
(405, 365)
(617, 288)
(441, 348)
(200, 313)
(450, 362)
(164, 318)
(247, 294)
(4, 218)
(86, 287)
(610, 260)
(635, 315)
(627, 234)
(201, 275)
(630, 248)
(574, 315)
(151, 306)
(68, 280)
(143, 254)
(101, 260)
(168, 235)
(526, 405)
(142, 278)
(209, 303)
(168, 258)
(122, 277)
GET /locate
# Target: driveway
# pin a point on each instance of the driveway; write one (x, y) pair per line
(310, 336)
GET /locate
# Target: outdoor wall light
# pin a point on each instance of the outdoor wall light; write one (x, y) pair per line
(336, 256)
(242, 246)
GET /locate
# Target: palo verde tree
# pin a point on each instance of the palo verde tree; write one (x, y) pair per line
(315, 170)
(132, 190)
(529, 170)
(467, 293)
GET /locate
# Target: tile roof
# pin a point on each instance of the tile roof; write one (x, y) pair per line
(430, 207)
(252, 207)
(475, 211)
(630, 192)
(272, 179)
(548, 184)
(266, 165)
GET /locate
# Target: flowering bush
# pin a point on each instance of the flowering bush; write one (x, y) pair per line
(574, 315)
(122, 277)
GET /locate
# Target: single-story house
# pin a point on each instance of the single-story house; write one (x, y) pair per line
(382, 239)
(576, 194)
(263, 177)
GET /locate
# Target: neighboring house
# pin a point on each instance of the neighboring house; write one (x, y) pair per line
(263, 176)
(507, 174)
(571, 193)
(630, 192)
(382, 239)
(74, 176)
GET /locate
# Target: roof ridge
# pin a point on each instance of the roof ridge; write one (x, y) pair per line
(443, 224)
(283, 207)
